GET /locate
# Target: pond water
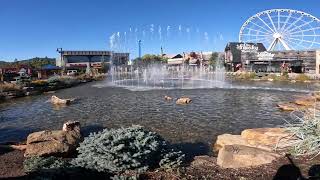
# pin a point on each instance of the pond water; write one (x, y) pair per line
(213, 111)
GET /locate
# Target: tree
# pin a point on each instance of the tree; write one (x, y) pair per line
(213, 59)
(150, 59)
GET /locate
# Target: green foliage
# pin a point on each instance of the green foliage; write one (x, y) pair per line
(36, 62)
(150, 59)
(126, 177)
(117, 150)
(172, 159)
(39, 163)
(213, 59)
(62, 81)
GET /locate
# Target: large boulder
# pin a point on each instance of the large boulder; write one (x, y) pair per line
(228, 139)
(240, 156)
(268, 137)
(62, 143)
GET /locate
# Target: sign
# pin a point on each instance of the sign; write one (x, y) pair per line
(247, 48)
(265, 56)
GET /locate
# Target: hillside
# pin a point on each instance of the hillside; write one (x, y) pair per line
(36, 62)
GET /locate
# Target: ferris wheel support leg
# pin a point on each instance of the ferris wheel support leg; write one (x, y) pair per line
(273, 44)
(285, 45)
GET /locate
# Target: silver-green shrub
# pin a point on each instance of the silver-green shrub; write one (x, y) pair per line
(117, 150)
(62, 80)
(172, 159)
(33, 164)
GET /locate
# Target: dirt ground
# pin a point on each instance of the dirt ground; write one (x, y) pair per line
(203, 167)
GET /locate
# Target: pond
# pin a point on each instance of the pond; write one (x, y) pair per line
(213, 111)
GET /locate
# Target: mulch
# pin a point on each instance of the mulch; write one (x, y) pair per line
(11, 167)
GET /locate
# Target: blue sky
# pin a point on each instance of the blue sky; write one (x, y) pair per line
(31, 28)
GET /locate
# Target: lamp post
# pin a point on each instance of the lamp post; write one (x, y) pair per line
(59, 50)
(139, 42)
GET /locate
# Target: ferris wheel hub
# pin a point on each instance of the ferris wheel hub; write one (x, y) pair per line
(277, 35)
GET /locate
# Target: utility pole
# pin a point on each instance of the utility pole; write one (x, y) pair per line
(139, 42)
(161, 51)
(59, 50)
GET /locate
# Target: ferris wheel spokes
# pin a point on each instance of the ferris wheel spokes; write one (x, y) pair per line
(282, 28)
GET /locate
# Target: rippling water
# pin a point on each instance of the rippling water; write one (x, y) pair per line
(212, 112)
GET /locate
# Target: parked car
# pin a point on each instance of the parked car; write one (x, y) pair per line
(72, 72)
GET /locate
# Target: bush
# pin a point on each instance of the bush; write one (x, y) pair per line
(39, 163)
(302, 77)
(172, 159)
(39, 83)
(62, 81)
(9, 87)
(247, 75)
(125, 177)
(117, 150)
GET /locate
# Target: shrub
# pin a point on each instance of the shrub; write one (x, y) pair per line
(9, 87)
(39, 83)
(53, 79)
(62, 80)
(39, 163)
(302, 77)
(125, 177)
(247, 75)
(117, 150)
(307, 131)
(172, 159)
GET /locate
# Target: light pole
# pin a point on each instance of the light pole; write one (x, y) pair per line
(139, 42)
(59, 50)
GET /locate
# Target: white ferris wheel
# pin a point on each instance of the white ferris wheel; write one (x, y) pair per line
(282, 29)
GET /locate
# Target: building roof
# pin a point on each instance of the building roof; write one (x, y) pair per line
(172, 56)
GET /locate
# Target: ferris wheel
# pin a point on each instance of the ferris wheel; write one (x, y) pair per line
(282, 29)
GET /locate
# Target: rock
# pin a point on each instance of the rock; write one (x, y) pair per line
(316, 95)
(183, 100)
(305, 101)
(71, 126)
(61, 143)
(21, 147)
(287, 107)
(270, 79)
(272, 137)
(167, 98)
(228, 139)
(239, 156)
(57, 101)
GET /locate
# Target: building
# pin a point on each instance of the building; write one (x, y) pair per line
(95, 59)
(48, 70)
(236, 54)
(191, 58)
(254, 57)
(175, 60)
